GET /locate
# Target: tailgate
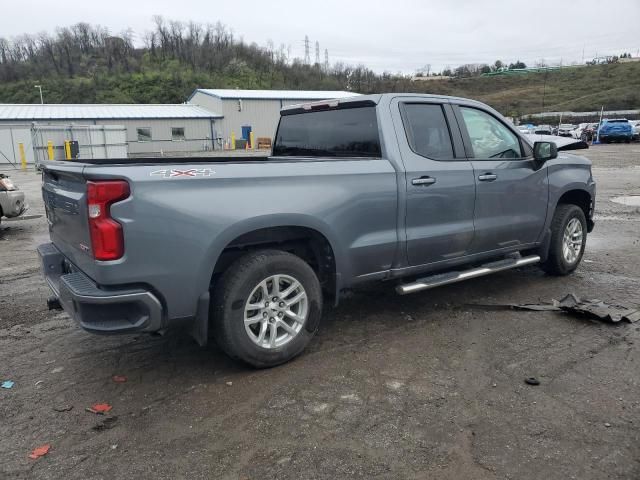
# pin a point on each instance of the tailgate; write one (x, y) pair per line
(64, 195)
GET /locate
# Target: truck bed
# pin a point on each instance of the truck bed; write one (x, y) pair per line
(168, 160)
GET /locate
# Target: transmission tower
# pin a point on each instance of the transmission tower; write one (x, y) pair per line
(307, 56)
(326, 60)
(317, 52)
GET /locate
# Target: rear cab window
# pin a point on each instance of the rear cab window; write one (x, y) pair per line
(341, 132)
(427, 130)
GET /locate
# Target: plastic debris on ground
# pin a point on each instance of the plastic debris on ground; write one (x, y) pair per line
(63, 408)
(40, 451)
(7, 384)
(100, 408)
(119, 378)
(592, 308)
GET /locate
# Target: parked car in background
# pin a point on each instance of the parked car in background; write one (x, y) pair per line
(635, 124)
(577, 132)
(524, 129)
(417, 190)
(565, 129)
(12, 202)
(615, 130)
(589, 133)
(542, 130)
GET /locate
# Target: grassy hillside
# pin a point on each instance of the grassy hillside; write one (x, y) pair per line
(615, 86)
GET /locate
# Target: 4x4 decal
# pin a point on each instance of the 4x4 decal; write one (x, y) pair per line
(192, 172)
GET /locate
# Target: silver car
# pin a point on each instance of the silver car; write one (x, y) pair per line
(12, 202)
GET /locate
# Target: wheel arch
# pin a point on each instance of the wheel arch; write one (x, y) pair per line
(580, 197)
(306, 237)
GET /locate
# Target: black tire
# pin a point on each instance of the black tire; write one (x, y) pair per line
(556, 264)
(232, 292)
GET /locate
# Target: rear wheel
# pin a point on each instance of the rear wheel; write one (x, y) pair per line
(266, 308)
(568, 239)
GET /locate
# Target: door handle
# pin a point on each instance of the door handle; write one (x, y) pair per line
(426, 181)
(487, 177)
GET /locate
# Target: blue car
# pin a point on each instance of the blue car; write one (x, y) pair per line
(615, 130)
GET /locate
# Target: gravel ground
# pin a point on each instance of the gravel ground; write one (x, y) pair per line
(422, 386)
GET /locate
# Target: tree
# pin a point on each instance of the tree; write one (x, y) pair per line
(518, 64)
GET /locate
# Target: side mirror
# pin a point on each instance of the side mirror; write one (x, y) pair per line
(543, 151)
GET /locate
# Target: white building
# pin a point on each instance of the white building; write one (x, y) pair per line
(150, 129)
(256, 111)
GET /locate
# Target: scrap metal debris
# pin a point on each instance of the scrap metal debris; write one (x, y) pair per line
(599, 309)
(592, 308)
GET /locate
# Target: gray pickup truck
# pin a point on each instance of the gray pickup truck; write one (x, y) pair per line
(415, 190)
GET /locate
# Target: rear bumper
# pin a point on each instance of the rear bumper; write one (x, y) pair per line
(98, 309)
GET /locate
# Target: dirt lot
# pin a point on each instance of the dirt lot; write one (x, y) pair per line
(422, 386)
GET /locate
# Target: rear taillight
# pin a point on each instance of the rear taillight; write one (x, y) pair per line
(107, 240)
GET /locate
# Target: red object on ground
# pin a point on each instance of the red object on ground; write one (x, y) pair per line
(40, 451)
(119, 378)
(100, 408)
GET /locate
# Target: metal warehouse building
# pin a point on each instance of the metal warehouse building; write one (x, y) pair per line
(150, 129)
(257, 111)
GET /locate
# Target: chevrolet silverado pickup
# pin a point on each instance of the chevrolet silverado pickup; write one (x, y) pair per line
(415, 190)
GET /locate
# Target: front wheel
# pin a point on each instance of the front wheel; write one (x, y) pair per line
(568, 239)
(266, 308)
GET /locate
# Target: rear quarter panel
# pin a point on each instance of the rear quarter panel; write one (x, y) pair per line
(175, 228)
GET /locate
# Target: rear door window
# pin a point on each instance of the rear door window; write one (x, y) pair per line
(346, 132)
(427, 130)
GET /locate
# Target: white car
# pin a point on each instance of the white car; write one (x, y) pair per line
(577, 132)
(635, 124)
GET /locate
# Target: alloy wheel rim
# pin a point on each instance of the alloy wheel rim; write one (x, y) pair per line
(572, 240)
(276, 311)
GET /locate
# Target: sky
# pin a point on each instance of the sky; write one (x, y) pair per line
(393, 36)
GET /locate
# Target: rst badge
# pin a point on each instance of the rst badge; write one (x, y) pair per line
(174, 172)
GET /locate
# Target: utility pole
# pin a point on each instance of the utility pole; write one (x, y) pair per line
(307, 56)
(317, 52)
(39, 87)
(326, 60)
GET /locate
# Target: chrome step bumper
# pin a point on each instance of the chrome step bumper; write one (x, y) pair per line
(453, 277)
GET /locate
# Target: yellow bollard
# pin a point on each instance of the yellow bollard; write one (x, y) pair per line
(67, 149)
(233, 141)
(252, 145)
(23, 157)
(50, 150)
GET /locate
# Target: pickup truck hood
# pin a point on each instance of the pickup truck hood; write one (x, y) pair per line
(563, 143)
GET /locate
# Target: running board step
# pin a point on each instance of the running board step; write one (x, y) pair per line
(453, 277)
